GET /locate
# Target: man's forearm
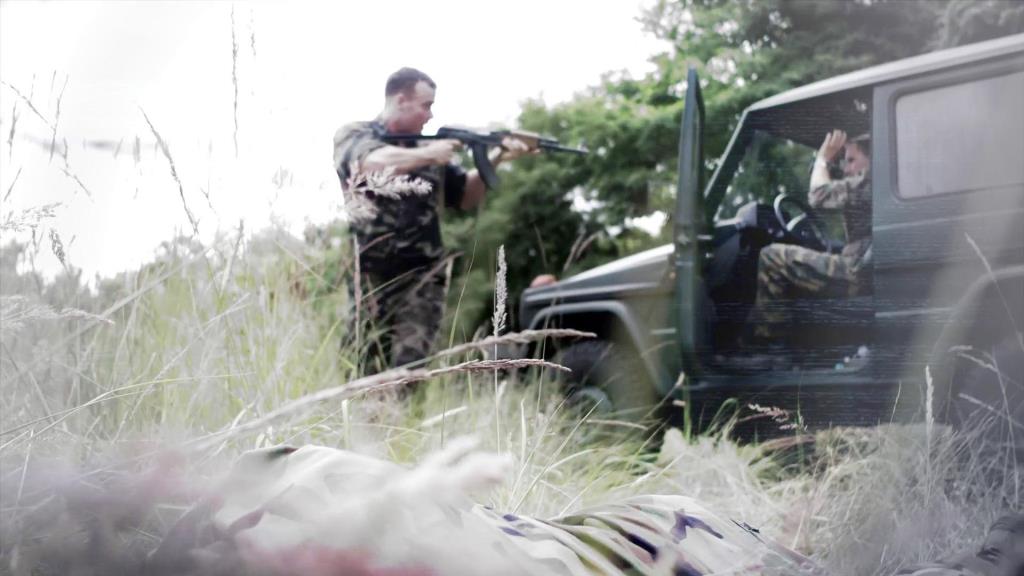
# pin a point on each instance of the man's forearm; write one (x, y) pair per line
(402, 160)
(819, 174)
(476, 190)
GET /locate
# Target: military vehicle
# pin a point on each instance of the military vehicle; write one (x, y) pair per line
(943, 319)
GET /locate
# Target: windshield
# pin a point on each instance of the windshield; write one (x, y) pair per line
(770, 166)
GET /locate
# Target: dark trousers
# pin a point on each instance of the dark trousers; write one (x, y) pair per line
(395, 318)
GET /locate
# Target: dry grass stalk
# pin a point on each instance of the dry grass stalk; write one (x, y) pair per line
(362, 187)
(206, 194)
(999, 289)
(16, 176)
(10, 135)
(374, 383)
(30, 218)
(75, 177)
(579, 247)
(500, 294)
(66, 169)
(56, 121)
(434, 420)
(58, 248)
(252, 34)
(234, 78)
(490, 365)
(226, 275)
(16, 312)
(522, 337)
(28, 101)
(498, 324)
(174, 172)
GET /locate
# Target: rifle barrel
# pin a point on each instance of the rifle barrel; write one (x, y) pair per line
(555, 147)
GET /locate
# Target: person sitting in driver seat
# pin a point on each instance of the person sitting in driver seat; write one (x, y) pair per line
(787, 272)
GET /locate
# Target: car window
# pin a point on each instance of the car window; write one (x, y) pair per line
(770, 166)
(961, 138)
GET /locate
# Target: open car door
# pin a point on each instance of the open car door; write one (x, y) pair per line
(689, 224)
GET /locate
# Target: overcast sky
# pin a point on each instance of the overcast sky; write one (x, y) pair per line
(302, 69)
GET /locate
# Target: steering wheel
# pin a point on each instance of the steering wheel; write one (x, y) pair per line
(807, 226)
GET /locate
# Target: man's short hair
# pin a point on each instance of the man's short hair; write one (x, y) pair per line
(863, 142)
(405, 80)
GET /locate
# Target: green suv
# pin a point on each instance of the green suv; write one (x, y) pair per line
(944, 314)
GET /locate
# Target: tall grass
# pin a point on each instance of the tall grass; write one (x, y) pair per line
(191, 355)
(202, 342)
(122, 402)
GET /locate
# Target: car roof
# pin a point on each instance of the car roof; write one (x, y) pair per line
(898, 69)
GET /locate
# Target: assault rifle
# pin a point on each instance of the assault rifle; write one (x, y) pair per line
(478, 143)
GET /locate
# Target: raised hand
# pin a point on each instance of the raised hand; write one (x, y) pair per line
(834, 142)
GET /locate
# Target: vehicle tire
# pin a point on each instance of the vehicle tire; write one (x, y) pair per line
(992, 376)
(610, 377)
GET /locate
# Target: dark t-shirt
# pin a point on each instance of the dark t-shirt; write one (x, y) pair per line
(405, 232)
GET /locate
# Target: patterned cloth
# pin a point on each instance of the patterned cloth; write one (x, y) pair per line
(852, 196)
(656, 534)
(400, 245)
(319, 511)
(787, 273)
(333, 509)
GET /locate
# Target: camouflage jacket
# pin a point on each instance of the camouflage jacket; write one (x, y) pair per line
(852, 196)
(402, 233)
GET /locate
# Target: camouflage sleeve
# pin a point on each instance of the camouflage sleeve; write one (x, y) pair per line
(851, 191)
(351, 144)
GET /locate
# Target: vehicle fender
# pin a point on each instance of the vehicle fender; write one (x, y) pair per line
(617, 311)
(991, 308)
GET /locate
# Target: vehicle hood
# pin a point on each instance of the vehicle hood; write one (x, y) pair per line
(642, 271)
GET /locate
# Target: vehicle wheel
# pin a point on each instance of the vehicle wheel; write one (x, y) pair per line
(605, 375)
(987, 390)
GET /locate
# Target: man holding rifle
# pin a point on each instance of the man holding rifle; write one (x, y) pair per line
(402, 267)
